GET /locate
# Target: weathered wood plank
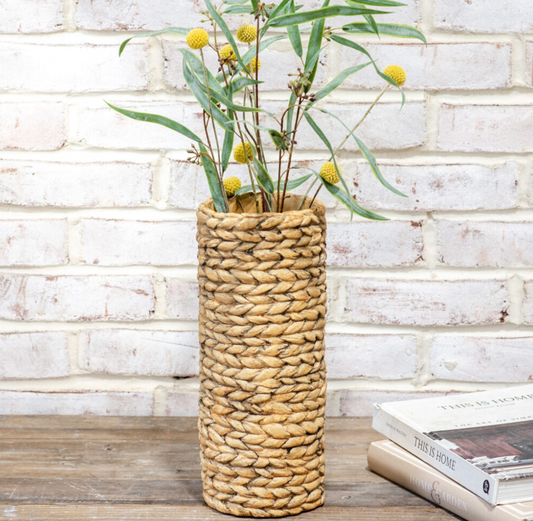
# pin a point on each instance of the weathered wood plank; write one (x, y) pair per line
(180, 492)
(203, 513)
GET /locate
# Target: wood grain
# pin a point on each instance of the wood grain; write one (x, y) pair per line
(109, 469)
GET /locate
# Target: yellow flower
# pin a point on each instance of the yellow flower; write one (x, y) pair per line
(197, 38)
(396, 73)
(232, 184)
(226, 53)
(246, 33)
(328, 172)
(238, 153)
(251, 66)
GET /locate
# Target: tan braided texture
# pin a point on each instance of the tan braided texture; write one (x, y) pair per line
(262, 370)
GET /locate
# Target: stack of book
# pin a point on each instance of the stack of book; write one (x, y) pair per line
(471, 454)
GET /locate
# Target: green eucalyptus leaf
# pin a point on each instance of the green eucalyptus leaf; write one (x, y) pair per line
(263, 177)
(239, 9)
(197, 67)
(294, 33)
(314, 46)
(380, 3)
(225, 29)
(198, 89)
(239, 83)
(401, 31)
(279, 140)
(160, 120)
(338, 80)
(175, 30)
(372, 22)
(369, 156)
(219, 199)
(348, 201)
(229, 136)
(319, 14)
(236, 2)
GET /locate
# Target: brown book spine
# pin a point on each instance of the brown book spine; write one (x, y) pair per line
(392, 462)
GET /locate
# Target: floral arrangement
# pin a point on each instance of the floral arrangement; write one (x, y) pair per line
(236, 124)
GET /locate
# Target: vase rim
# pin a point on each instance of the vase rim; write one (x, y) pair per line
(318, 208)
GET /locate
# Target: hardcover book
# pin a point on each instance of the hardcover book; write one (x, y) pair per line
(484, 441)
(398, 465)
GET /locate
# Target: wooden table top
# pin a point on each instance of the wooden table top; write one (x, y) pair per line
(117, 468)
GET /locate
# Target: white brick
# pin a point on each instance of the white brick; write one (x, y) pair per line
(439, 187)
(489, 16)
(41, 16)
(72, 67)
(125, 15)
(43, 183)
(182, 299)
(102, 127)
(426, 303)
(485, 128)
(484, 244)
(442, 66)
(375, 244)
(77, 402)
(33, 242)
(182, 403)
(137, 352)
(361, 403)
(386, 128)
(72, 298)
(32, 126)
(385, 357)
(119, 242)
(482, 359)
(529, 63)
(33, 355)
(527, 306)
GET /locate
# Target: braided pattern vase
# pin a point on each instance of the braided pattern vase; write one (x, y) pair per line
(262, 283)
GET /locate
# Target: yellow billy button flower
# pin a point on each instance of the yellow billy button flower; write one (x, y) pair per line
(396, 73)
(227, 53)
(232, 184)
(328, 172)
(238, 153)
(197, 38)
(252, 65)
(246, 33)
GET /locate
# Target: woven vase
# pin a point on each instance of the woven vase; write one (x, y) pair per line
(262, 280)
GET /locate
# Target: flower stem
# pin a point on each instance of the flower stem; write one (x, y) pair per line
(361, 120)
(307, 193)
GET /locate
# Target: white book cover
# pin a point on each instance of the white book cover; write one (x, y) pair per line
(398, 465)
(483, 440)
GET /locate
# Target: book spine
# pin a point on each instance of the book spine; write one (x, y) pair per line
(434, 454)
(433, 486)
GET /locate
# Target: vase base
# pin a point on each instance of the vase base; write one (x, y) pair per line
(236, 509)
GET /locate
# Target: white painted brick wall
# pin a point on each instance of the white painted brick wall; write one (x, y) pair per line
(33, 242)
(122, 243)
(76, 68)
(32, 125)
(98, 299)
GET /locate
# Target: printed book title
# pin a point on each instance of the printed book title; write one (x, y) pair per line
(487, 403)
(435, 453)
